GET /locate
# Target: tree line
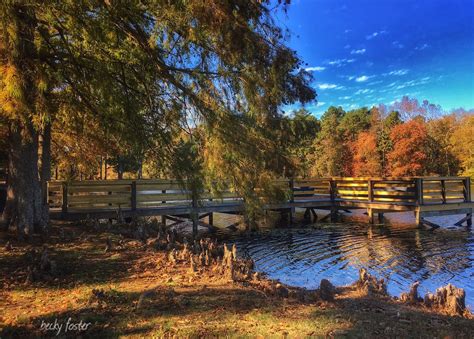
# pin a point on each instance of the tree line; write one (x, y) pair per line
(402, 140)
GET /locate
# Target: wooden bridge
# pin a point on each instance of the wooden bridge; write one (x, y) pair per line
(425, 196)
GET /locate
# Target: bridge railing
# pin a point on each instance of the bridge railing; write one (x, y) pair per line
(102, 195)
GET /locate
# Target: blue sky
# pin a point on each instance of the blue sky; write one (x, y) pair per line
(365, 52)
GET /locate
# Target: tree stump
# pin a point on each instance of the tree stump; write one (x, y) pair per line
(326, 290)
(449, 299)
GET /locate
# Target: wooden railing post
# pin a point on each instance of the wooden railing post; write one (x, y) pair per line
(133, 199)
(332, 190)
(291, 184)
(419, 190)
(370, 191)
(467, 189)
(194, 214)
(443, 191)
(65, 202)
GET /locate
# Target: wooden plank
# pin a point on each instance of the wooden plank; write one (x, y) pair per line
(97, 208)
(394, 185)
(352, 192)
(350, 197)
(101, 188)
(394, 200)
(87, 199)
(394, 193)
(339, 184)
(162, 197)
(314, 192)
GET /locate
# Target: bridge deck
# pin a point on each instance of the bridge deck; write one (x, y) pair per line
(426, 196)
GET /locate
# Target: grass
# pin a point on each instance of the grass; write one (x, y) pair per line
(184, 305)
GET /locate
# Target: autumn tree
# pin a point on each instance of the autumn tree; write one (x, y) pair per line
(366, 156)
(408, 155)
(440, 157)
(462, 143)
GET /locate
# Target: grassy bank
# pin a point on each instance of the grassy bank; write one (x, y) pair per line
(132, 290)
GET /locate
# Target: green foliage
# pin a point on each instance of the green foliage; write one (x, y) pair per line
(329, 149)
(354, 122)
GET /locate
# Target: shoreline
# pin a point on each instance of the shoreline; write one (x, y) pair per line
(113, 281)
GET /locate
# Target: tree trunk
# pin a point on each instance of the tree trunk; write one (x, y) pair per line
(24, 207)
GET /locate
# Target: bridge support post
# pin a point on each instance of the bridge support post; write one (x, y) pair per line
(211, 218)
(380, 218)
(333, 214)
(370, 213)
(163, 220)
(292, 200)
(418, 218)
(194, 215)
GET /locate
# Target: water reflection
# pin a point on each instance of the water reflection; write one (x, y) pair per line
(402, 254)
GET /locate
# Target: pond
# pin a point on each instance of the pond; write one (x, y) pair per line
(402, 254)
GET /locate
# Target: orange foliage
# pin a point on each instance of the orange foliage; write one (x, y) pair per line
(408, 156)
(366, 158)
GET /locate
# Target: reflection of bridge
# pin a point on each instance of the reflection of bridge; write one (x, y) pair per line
(425, 196)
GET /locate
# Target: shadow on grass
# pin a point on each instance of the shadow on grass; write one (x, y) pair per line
(77, 263)
(378, 317)
(213, 312)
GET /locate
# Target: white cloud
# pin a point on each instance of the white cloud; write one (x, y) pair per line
(340, 62)
(344, 97)
(375, 82)
(374, 34)
(422, 47)
(362, 78)
(364, 91)
(412, 83)
(329, 86)
(321, 103)
(358, 51)
(347, 46)
(397, 44)
(398, 72)
(315, 69)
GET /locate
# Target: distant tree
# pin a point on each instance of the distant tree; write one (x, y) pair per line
(408, 156)
(329, 149)
(354, 122)
(298, 133)
(462, 141)
(366, 155)
(411, 107)
(392, 119)
(441, 159)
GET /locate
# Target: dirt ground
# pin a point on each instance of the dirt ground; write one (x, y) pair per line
(107, 285)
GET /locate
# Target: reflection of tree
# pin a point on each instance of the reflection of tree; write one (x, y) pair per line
(412, 251)
(402, 251)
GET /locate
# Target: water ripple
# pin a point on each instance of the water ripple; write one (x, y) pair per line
(302, 257)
